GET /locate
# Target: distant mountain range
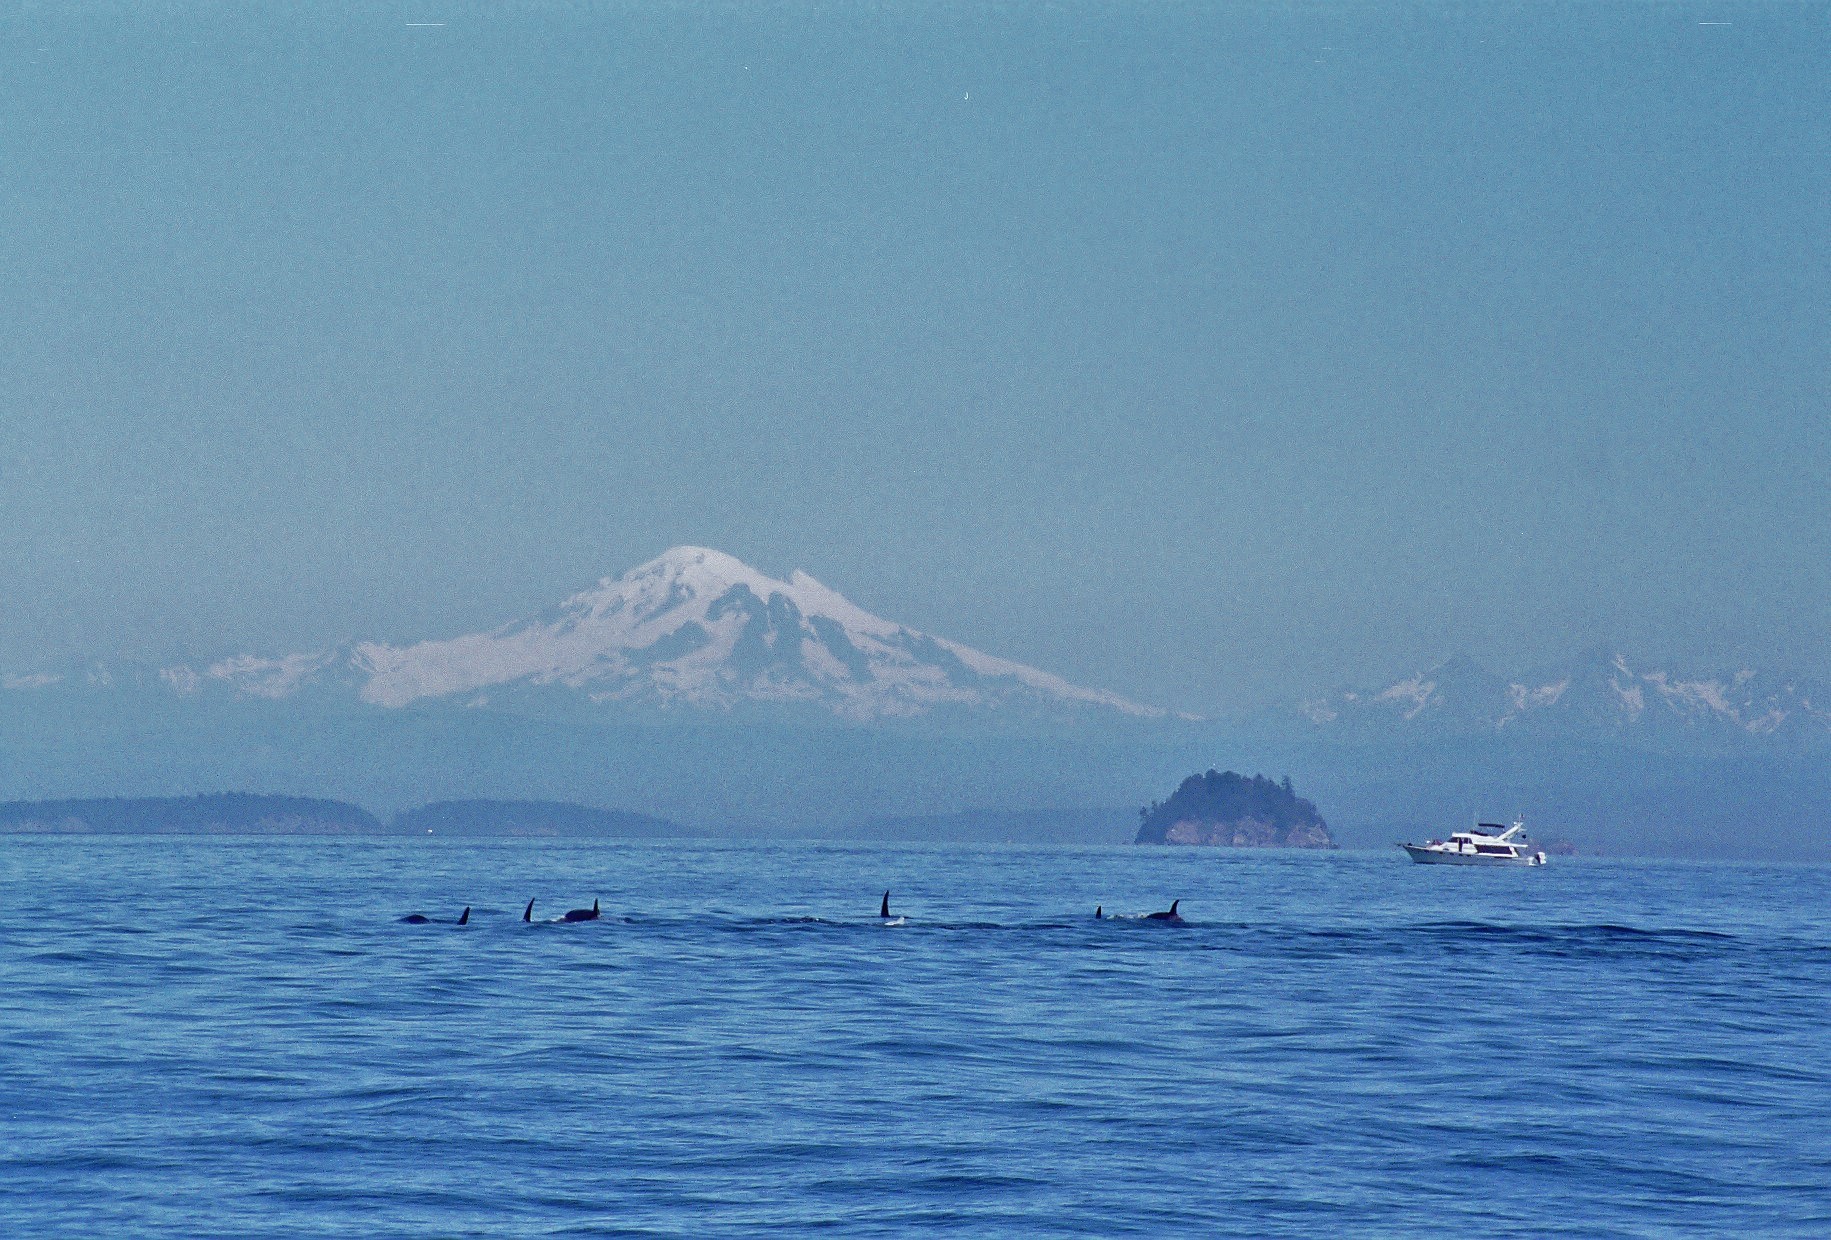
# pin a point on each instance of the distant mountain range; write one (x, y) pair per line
(698, 635)
(1600, 697)
(696, 689)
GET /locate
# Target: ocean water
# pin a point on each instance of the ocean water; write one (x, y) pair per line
(237, 1037)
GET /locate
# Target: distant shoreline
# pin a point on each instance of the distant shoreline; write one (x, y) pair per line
(255, 815)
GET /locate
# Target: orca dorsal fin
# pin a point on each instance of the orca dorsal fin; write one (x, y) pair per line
(883, 910)
(464, 917)
(1099, 912)
(594, 907)
(527, 914)
(1173, 905)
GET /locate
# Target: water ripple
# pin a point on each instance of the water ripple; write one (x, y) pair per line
(739, 1047)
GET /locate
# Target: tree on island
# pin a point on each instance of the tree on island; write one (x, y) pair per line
(1230, 810)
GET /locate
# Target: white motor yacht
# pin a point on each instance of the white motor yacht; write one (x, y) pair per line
(1488, 844)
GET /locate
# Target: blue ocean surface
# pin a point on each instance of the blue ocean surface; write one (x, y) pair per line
(234, 1037)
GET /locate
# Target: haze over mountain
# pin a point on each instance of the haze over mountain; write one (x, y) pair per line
(1600, 696)
(692, 687)
(692, 630)
(698, 689)
(696, 634)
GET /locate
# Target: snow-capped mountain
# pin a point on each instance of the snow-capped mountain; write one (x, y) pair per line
(693, 628)
(1602, 695)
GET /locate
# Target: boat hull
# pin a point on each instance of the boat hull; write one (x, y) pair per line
(1432, 856)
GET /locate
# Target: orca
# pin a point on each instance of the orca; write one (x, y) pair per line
(582, 914)
(883, 910)
(527, 914)
(1171, 915)
(1099, 912)
(420, 919)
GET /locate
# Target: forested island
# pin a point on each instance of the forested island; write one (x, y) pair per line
(1230, 810)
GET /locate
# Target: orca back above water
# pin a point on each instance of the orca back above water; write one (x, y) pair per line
(1171, 915)
(582, 914)
(420, 919)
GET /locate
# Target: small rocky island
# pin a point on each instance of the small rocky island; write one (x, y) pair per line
(1228, 810)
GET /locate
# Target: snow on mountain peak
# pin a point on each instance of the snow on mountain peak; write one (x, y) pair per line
(1600, 692)
(699, 568)
(699, 628)
(690, 575)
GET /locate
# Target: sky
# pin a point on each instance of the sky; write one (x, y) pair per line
(1216, 355)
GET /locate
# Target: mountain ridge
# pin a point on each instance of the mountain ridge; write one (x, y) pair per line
(1599, 695)
(693, 629)
(696, 635)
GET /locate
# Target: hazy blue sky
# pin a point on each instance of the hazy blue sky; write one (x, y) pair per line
(1208, 353)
